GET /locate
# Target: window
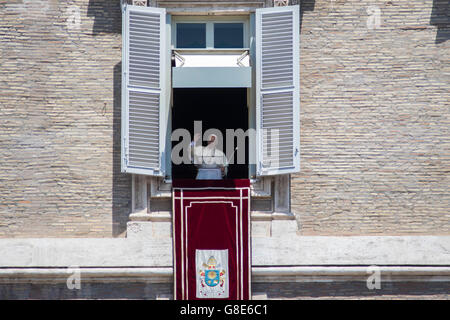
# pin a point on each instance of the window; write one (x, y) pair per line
(191, 35)
(273, 99)
(194, 104)
(210, 32)
(228, 35)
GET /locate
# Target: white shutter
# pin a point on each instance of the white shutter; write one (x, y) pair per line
(143, 90)
(277, 90)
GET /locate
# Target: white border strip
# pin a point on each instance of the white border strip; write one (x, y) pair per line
(186, 218)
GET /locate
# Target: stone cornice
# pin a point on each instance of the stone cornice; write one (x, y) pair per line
(259, 274)
(266, 252)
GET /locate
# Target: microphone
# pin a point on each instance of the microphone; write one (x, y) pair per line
(232, 154)
(225, 173)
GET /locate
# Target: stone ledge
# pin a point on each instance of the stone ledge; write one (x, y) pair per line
(273, 251)
(159, 225)
(166, 216)
(269, 216)
(210, 7)
(259, 274)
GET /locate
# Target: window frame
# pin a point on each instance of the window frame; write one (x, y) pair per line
(262, 186)
(209, 21)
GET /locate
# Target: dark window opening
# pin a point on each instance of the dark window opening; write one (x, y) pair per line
(219, 108)
(228, 35)
(191, 35)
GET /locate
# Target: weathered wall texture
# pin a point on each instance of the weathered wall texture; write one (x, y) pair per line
(60, 110)
(375, 108)
(374, 120)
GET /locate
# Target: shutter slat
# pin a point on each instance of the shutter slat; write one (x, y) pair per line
(144, 30)
(149, 147)
(277, 89)
(281, 126)
(275, 49)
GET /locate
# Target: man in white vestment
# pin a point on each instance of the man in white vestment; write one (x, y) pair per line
(210, 161)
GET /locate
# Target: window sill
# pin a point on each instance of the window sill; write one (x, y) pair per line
(166, 216)
(260, 188)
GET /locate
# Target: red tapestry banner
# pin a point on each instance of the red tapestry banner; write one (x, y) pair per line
(211, 239)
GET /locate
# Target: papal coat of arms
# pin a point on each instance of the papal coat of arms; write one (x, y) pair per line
(212, 280)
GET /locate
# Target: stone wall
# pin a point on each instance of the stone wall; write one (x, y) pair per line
(60, 131)
(375, 114)
(374, 119)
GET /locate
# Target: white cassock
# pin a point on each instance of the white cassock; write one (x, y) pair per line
(209, 161)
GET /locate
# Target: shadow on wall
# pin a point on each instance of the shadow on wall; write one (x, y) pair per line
(121, 182)
(305, 5)
(108, 19)
(440, 17)
(107, 16)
